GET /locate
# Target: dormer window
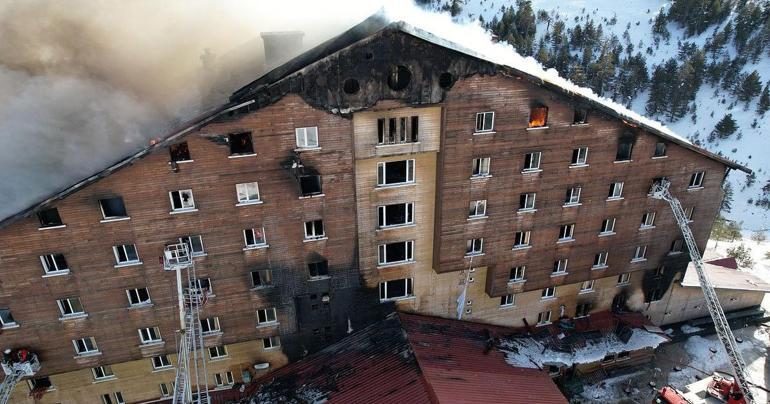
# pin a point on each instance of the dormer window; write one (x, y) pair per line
(538, 116)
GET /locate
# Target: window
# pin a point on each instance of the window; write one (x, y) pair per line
(485, 121)
(517, 274)
(481, 167)
(477, 209)
(538, 116)
(319, 269)
(224, 379)
(624, 279)
(573, 196)
(149, 335)
(532, 161)
(608, 226)
(70, 307)
(624, 150)
(240, 144)
(579, 156)
(179, 152)
(307, 137)
(271, 342)
(6, 319)
(640, 253)
(521, 239)
(566, 232)
(115, 398)
(616, 190)
(396, 289)
(696, 180)
(660, 150)
(40, 383)
(655, 182)
(254, 237)
(194, 244)
(688, 212)
(164, 390)
(203, 285)
(54, 264)
(527, 202)
(582, 310)
(655, 294)
(548, 292)
(85, 346)
(49, 218)
(266, 316)
(648, 220)
(395, 131)
(314, 230)
(544, 318)
(113, 208)
(560, 267)
(262, 278)
(587, 286)
(580, 117)
(160, 362)
(506, 300)
(600, 259)
(659, 271)
(138, 297)
(676, 246)
(247, 192)
(474, 246)
(125, 254)
(399, 214)
(102, 372)
(210, 325)
(402, 251)
(395, 172)
(310, 185)
(182, 200)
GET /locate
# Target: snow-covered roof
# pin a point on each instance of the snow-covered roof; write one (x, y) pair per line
(725, 278)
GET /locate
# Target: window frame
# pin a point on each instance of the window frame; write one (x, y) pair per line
(573, 196)
(274, 342)
(165, 362)
(560, 267)
(522, 235)
(228, 377)
(544, 317)
(696, 180)
(183, 150)
(247, 246)
(8, 315)
(382, 173)
(624, 279)
(215, 329)
(382, 253)
(263, 273)
(91, 341)
(530, 121)
(136, 292)
(149, 335)
(605, 222)
(524, 199)
(616, 191)
(246, 135)
(566, 232)
(73, 313)
(576, 160)
(113, 218)
(674, 244)
(600, 260)
(548, 293)
(382, 215)
(270, 316)
(221, 351)
(303, 134)
(43, 216)
(182, 208)
(471, 244)
(640, 253)
(481, 167)
(507, 300)
(473, 209)
(655, 150)
(104, 370)
(57, 271)
(587, 286)
(483, 128)
(648, 220)
(191, 244)
(529, 158)
(314, 235)
(517, 274)
(243, 189)
(408, 290)
(128, 261)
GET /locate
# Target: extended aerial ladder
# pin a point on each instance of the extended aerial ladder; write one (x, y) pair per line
(660, 190)
(16, 368)
(191, 381)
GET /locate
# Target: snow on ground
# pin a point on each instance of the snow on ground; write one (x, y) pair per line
(759, 253)
(688, 329)
(531, 353)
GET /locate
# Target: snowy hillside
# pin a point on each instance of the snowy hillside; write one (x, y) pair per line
(748, 145)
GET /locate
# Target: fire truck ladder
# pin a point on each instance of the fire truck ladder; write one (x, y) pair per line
(14, 373)
(660, 190)
(191, 381)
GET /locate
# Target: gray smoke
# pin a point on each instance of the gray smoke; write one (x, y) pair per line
(84, 83)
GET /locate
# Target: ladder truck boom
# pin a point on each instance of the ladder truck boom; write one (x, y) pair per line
(660, 190)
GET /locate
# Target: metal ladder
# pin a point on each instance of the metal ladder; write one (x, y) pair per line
(14, 373)
(10, 381)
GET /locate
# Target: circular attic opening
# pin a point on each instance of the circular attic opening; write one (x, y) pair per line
(399, 77)
(445, 80)
(351, 86)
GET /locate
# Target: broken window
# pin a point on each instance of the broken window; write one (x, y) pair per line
(560, 266)
(527, 201)
(307, 137)
(608, 226)
(616, 190)
(521, 239)
(506, 300)
(579, 156)
(624, 279)
(85, 346)
(254, 237)
(6, 319)
(397, 130)
(660, 150)
(532, 161)
(676, 246)
(210, 325)
(54, 264)
(600, 260)
(477, 209)
(216, 352)
(582, 310)
(481, 167)
(485, 121)
(659, 271)
(40, 383)
(392, 128)
(587, 286)
(160, 362)
(395, 172)
(102, 372)
(70, 306)
(538, 116)
(395, 215)
(179, 152)
(396, 289)
(108, 399)
(548, 292)
(318, 269)
(194, 244)
(696, 180)
(648, 220)
(271, 342)
(113, 208)
(544, 317)
(240, 144)
(266, 316)
(625, 147)
(310, 185)
(573, 196)
(126, 254)
(182, 200)
(314, 230)
(49, 218)
(381, 131)
(566, 232)
(262, 278)
(474, 246)
(392, 253)
(640, 253)
(580, 117)
(517, 273)
(149, 335)
(415, 128)
(202, 285)
(138, 297)
(247, 192)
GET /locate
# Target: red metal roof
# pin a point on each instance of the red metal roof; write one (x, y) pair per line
(727, 262)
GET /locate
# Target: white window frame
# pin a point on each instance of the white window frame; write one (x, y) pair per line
(484, 118)
(307, 137)
(655, 154)
(519, 272)
(610, 223)
(103, 372)
(696, 180)
(481, 167)
(135, 292)
(522, 239)
(477, 209)
(225, 381)
(55, 270)
(382, 253)
(382, 170)
(408, 287)
(9, 324)
(535, 158)
(254, 237)
(190, 244)
(548, 293)
(212, 323)
(164, 392)
(566, 232)
(243, 192)
(189, 207)
(560, 266)
(91, 341)
(313, 234)
(106, 218)
(268, 312)
(544, 317)
(160, 362)
(107, 398)
(382, 212)
(574, 196)
(115, 250)
(508, 300)
(221, 352)
(600, 260)
(149, 335)
(640, 253)
(471, 246)
(67, 301)
(529, 202)
(616, 189)
(271, 342)
(587, 286)
(582, 157)
(624, 279)
(648, 220)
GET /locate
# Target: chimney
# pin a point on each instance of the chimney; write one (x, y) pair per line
(280, 46)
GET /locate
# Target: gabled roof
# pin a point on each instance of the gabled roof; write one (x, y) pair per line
(725, 278)
(504, 59)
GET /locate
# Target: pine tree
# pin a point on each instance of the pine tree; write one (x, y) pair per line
(764, 100)
(456, 8)
(750, 87)
(658, 99)
(727, 202)
(725, 127)
(659, 29)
